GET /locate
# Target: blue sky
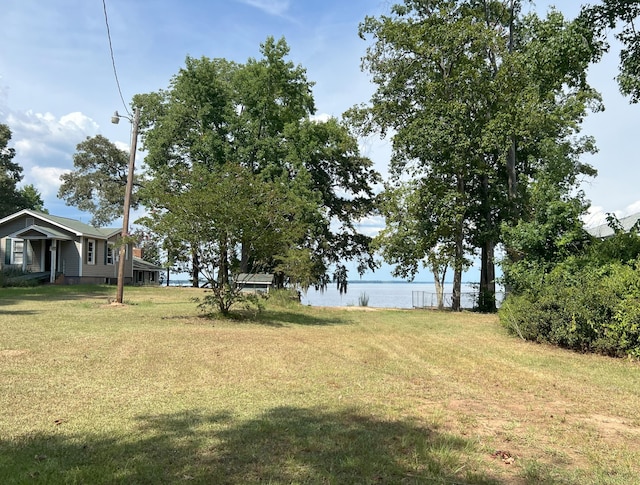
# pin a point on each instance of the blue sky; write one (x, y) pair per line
(57, 84)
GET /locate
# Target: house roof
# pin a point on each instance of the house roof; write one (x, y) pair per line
(140, 264)
(604, 231)
(264, 278)
(38, 232)
(71, 225)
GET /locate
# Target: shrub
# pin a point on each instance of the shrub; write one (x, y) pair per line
(581, 307)
(222, 297)
(363, 299)
(284, 297)
(9, 276)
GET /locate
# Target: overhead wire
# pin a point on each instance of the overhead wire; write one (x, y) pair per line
(113, 59)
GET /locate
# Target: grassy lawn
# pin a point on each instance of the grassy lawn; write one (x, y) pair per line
(151, 393)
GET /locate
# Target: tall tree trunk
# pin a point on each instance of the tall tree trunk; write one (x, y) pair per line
(459, 251)
(511, 155)
(223, 269)
(457, 278)
(439, 284)
(245, 253)
(487, 297)
(512, 173)
(195, 270)
(439, 270)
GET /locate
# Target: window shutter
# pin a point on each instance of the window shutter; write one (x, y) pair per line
(106, 245)
(7, 252)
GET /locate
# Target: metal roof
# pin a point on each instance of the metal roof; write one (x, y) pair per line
(72, 225)
(140, 264)
(604, 231)
(47, 232)
(263, 278)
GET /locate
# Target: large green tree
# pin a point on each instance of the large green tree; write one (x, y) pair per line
(257, 116)
(471, 91)
(14, 198)
(218, 210)
(97, 183)
(414, 237)
(429, 64)
(622, 17)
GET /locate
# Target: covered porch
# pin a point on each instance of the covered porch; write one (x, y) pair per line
(38, 250)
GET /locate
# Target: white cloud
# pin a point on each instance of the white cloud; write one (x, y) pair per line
(45, 146)
(371, 226)
(122, 146)
(41, 135)
(597, 215)
(76, 121)
(46, 179)
(320, 118)
(632, 208)
(272, 7)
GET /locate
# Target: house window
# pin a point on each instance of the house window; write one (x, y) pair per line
(117, 252)
(91, 251)
(109, 254)
(18, 253)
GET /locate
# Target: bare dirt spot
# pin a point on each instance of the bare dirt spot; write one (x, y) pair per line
(114, 304)
(359, 308)
(13, 352)
(611, 425)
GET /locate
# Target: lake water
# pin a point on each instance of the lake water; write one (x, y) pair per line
(388, 295)
(385, 294)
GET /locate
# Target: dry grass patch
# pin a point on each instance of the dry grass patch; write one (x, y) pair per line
(150, 392)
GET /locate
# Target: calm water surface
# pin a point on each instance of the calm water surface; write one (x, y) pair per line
(386, 295)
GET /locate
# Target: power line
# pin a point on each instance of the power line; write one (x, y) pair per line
(113, 60)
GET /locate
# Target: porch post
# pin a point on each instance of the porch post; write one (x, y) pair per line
(25, 254)
(54, 260)
(43, 254)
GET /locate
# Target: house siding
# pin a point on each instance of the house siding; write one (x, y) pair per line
(13, 226)
(21, 223)
(70, 254)
(33, 253)
(3, 252)
(98, 269)
(128, 267)
(34, 246)
(5, 230)
(69, 258)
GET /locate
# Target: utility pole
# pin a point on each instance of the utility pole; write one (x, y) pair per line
(127, 198)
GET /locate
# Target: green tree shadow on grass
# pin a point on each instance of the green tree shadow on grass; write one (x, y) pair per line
(279, 318)
(284, 445)
(300, 318)
(12, 296)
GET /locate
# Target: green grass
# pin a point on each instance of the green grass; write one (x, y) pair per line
(150, 392)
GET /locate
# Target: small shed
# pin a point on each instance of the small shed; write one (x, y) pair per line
(146, 273)
(254, 282)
